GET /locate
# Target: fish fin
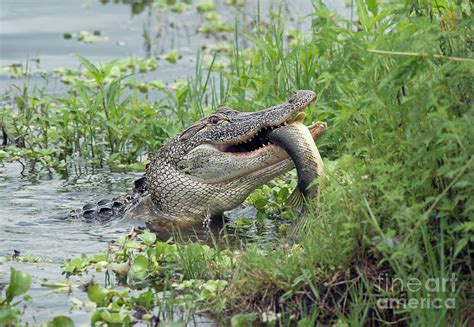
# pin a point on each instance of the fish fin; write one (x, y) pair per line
(295, 199)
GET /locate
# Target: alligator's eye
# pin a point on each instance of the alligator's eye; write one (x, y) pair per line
(213, 119)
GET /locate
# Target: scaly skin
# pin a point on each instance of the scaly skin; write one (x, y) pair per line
(191, 178)
(212, 166)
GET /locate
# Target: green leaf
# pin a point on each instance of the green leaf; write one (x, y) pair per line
(148, 238)
(99, 257)
(243, 319)
(205, 6)
(166, 252)
(243, 222)
(9, 314)
(96, 317)
(207, 295)
(373, 6)
(97, 294)
(283, 194)
(20, 282)
(363, 14)
(145, 300)
(460, 245)
(260, 202)
(138, 270)
(172, 57)
(91, 68)
(97, 73)
(61, 321)
(263, 46)
(80, 87)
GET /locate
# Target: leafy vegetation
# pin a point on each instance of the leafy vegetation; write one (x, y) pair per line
(10, 314)
(395, 88)
(19, 283)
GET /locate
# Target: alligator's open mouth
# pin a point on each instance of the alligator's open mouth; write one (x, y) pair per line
(253, 143)
(258, 141)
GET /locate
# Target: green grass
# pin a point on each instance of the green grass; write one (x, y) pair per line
(395, 88)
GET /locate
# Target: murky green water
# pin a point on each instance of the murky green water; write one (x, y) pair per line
(33, 203)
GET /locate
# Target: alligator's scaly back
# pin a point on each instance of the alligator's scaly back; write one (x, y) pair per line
(213, 165)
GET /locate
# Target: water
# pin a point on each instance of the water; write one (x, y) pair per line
(31, 34)
(32, 203)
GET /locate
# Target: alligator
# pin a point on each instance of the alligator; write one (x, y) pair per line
(213, 165)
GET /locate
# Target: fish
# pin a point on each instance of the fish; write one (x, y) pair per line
(297, 140)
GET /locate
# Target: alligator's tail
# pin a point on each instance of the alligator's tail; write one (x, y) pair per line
(106, 209)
